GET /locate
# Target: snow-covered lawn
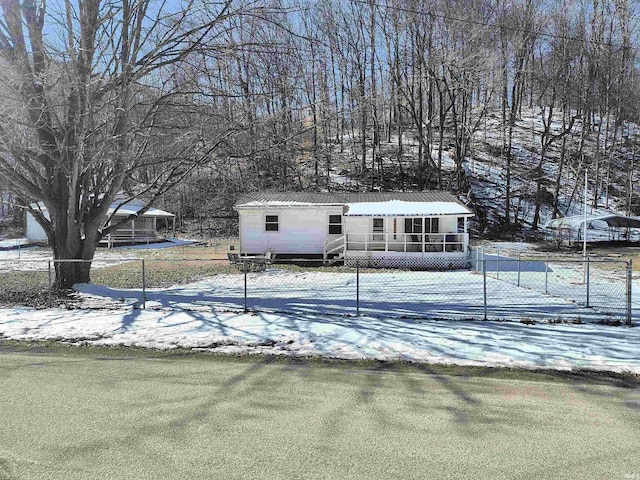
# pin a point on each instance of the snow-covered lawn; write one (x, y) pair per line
(553, 346)
(414, 316)
(445, 295)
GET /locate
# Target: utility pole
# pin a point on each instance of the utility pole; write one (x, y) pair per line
(584, 236)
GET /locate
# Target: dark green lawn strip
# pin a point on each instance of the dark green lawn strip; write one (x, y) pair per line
(49, 347)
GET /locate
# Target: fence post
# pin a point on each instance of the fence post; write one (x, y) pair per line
(244, 269)
(357, 287)
(484, 286)
(588, 281)
(629, 277)
(546, 275)
(49, 291)
(519, 260)
(498, 263)
(144, 287)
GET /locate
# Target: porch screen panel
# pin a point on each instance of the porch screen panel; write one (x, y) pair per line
(413, 225)
(143, 223)
(378, 228)
(432, 225)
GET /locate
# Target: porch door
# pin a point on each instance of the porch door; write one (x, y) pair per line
(377, 228)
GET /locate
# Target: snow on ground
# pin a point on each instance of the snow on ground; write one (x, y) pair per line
(313, 313)
(13, 243)
(28, 259)
(413, 316)
(456, 294)
(549, 346)
(36, 258)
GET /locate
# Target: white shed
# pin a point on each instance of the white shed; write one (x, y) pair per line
(417, 229)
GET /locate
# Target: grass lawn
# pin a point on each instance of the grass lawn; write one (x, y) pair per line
(86, 414)
(164, 267)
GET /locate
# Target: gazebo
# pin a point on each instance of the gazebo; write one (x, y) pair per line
(142, 228)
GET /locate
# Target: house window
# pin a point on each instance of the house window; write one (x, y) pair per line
(271, 223)
(431, 225)
(413, 225)
(420, 225)
(335, 224)
(378, 228)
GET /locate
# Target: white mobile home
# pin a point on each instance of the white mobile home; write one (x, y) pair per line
(418, 229)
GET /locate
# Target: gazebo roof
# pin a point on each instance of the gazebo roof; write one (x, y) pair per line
(132, 207)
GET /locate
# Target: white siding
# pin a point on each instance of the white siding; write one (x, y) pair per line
(34, 230)
(301, 230)
(358, 224)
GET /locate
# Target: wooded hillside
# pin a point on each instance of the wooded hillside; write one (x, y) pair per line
(503, 102)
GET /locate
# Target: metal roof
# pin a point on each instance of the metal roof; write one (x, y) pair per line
(126, 210)
(400, 208)
(577, 222)
(342, 198)
(130, 208)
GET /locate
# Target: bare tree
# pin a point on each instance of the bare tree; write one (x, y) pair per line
(93, 108)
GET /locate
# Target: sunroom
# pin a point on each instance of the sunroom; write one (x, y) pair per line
(404, 233)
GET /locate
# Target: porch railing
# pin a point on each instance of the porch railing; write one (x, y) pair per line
(334, 246)
(124, 235)
(407, 242)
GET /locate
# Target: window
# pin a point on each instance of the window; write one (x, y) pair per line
(460, 224)
(377, 229)
(271, 223)
(413, 225)
(335, 224)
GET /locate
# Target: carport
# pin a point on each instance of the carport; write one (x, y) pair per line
(600, 228)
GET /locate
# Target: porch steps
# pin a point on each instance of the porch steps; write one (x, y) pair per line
(333, 247)
(333, 260)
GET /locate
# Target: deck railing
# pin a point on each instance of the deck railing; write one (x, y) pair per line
(126, 235)
(406, 242)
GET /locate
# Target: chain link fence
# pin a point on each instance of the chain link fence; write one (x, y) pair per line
(599, 283)
(497, 287)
